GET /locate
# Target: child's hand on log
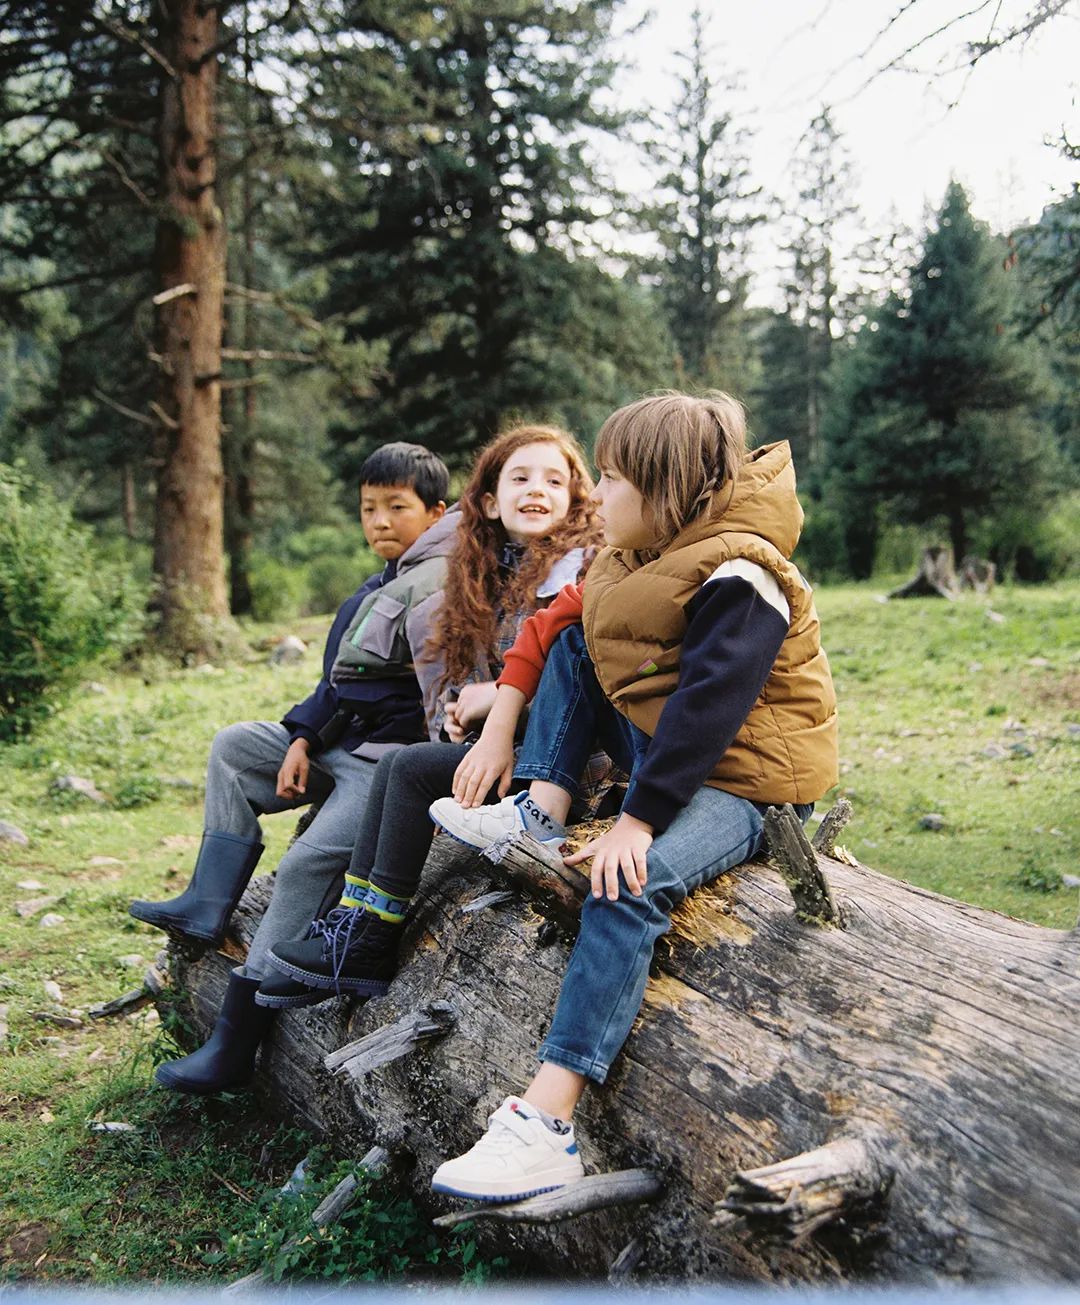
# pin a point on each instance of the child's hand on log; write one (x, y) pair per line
(293, 776)
(624, 849)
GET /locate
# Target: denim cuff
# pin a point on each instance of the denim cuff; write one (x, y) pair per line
(548, 773)
(592, 1069)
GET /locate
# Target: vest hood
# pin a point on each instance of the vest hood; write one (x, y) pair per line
(764, 503)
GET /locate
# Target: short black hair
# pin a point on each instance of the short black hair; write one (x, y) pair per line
(408, 464)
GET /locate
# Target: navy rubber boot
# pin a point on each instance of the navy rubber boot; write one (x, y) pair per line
(201, 912)
(227, 1059)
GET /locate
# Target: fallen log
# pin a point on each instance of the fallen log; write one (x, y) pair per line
(892, 1094)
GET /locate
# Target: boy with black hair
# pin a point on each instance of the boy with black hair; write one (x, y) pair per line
(367, 703)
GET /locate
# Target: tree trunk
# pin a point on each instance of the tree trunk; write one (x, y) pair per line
(892, 1095)
(958, 532)
(128, 503)
(240, 482)
(191, 269)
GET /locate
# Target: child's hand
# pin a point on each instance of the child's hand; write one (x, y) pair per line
(489, 759)
(473, 704)
(293, 776)
(455, 730)
(624, 847)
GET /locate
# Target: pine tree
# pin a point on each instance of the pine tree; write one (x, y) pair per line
(1046, 257)
(97, 204)
(457, 221)
(932, 415)
(703, 220)
(821, 209)
(112, 108)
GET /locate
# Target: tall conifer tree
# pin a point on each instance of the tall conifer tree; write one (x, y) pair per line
(455, 226)
(707, 210)
(933, 406)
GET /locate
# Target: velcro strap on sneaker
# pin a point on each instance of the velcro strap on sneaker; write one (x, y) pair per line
(514, 1120)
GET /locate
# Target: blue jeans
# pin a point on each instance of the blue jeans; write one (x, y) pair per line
(570, 716)
(605, 980)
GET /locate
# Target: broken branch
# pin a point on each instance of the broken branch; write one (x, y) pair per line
(176, 292)
(790, 1200)
(797, 862)
(824, 841)
(392, 1041)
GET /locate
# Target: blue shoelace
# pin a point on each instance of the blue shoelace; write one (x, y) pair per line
(337, 932)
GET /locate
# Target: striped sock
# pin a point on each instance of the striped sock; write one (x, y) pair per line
(355, 892)
(386, 907)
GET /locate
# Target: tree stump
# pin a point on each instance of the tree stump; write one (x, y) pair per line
(889, 1094)
(935, 579)
(978, 574)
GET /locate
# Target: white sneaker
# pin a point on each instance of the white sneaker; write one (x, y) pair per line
(479, 827)
(518, 1156)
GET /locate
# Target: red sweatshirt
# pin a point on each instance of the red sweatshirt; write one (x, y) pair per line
(523, 663)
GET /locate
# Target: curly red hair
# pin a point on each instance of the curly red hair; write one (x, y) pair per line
(476, 590)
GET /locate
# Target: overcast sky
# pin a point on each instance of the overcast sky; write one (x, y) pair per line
(904, 139)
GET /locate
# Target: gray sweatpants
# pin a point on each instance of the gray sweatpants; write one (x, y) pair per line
(241, 783)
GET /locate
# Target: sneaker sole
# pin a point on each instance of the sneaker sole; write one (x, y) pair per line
(501, 1198)
(363, 987)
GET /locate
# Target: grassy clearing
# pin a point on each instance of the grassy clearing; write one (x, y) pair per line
(184, 1197)
(971, 711)
(193, 1191)
(944, 710)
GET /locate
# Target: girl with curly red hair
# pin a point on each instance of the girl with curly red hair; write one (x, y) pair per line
(527, 529)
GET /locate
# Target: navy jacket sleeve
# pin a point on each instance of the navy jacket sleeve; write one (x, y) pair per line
(308, 717)
(731, 642)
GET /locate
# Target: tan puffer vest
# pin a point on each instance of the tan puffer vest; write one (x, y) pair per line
(635, 619)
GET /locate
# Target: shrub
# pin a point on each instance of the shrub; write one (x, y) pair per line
(1034, 542)
(821, 553)
(383, 1239)
(62, 605)
(1035, 877)
(309, 572)
(277, 590)
(330, 580)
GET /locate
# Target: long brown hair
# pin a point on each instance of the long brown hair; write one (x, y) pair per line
(677, 450)
(476, 590)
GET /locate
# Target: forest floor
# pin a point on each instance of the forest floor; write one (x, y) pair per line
(960, 735)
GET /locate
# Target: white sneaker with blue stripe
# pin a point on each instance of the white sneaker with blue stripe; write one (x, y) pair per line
(479, 827)
(518, 1156)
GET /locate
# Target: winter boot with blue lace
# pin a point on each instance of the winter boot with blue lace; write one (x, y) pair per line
(354, 950)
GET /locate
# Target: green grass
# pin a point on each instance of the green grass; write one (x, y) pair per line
(159, 1204)
(926, 688)
(945, 710)
(193, 1192)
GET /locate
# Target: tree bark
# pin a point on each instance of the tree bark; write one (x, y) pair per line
(190, 252)
(893, 1098)
(240, 469)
